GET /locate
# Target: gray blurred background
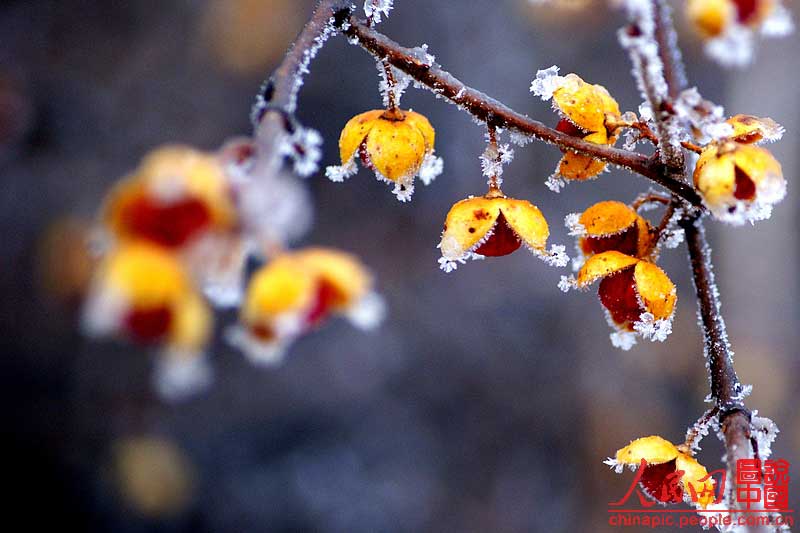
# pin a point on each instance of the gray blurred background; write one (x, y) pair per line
(487, 401)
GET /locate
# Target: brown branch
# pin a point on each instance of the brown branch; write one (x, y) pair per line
(637, 38)
(726, 389)
(281, 88)
(275, 105)
(497, 114)
(668, 51)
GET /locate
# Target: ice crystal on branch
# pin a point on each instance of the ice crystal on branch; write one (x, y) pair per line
(492, 161)
(374, 9)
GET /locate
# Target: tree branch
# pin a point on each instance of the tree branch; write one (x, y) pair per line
(646, 39)
(280, 90)
(492, 112)
(726, 389)
(668, 51)
(272, 113)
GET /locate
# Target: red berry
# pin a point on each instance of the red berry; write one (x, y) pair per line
(148, 325)
(618, 295)
(170, 225)
(503, 240)
(626, 242)
(745, 9)
(745, 188)
(658, 484)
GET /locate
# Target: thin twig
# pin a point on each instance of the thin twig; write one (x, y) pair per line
(726, 390)
(283, 84)
(276, 103)
(692, 147)
(638, 38)
(668, 50)
(493, 112)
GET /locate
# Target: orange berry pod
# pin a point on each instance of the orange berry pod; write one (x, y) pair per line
(495, 225)
(396, 145)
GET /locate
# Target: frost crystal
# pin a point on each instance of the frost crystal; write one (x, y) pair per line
(403, 191)
(734, 48)
(672, 238)
(646, 112)
(765, 432)
(556, 256)
(431, 167)
(401, 83)
(546, 82)
(368, 312)
(624, 340)
(632, 138)
(453, 254)
(421, 54)
(556, 182)
(520, 139)
(615, 466)
(493, 158)
(258, 352)
(178, 375)
(651, 329)
(373, 9)
(779, 23)
(338, 173)
(572, 222)
(304, 148)
(567, 283)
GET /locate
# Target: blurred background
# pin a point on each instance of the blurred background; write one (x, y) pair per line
(487, 401)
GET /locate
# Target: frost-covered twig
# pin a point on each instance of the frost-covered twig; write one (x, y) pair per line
(726, 389)
(273, 112)
(280, 90)
(491, 111)
(657, 71)
(668, 51)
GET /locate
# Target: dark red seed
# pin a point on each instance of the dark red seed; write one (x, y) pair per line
(328, 296)
(262, 332)
(745, 188)
(626, 242)
(618, 295)
(746, 9)
(502, 242)
(566, 126)
(170, 225)
(364, 156)
(148, 325)
(657, 483)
